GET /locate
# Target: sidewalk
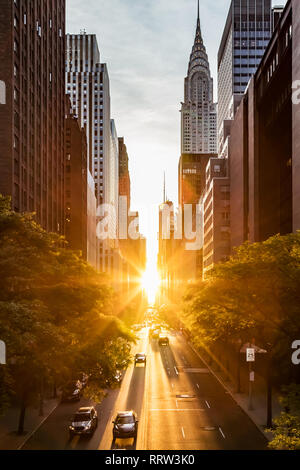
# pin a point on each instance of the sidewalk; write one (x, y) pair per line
(9, 439)
(259, 413)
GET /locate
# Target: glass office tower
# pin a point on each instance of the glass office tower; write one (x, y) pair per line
(246, 35)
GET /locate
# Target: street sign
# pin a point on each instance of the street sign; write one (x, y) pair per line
(250, 352)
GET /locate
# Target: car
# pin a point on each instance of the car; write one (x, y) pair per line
(125, 425)
(85, 422)
(163, 340)
(140, 358)
(72, 391)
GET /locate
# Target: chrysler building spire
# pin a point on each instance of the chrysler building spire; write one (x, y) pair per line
(198, 113)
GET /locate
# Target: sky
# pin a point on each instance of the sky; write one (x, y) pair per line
(146, 45)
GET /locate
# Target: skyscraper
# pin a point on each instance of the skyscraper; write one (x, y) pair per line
(87, 83)
(191, 179)
(170, 254)
(246, 35)
(111, 182)
(198, 112)
(265, 141)
(32, 57)
(113, 171)
(216, 212)
(88, 87)
(80, 193)
(124, 176)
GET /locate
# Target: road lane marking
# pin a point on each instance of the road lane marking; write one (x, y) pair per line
(177, 409)
(183, 433)
(207, 404)
(176, 370)
(222, 434)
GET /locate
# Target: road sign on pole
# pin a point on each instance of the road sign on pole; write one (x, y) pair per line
(250, 354)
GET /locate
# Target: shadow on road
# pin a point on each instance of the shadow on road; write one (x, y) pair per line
(136, 390)
(168, 361)
(134, 402)
(124, 444)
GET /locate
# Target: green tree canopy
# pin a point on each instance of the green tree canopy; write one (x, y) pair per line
(56, 311)
(256, 294)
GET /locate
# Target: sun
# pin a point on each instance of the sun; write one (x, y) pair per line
(150, 282)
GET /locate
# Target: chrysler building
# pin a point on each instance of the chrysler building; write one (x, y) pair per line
(198, 112)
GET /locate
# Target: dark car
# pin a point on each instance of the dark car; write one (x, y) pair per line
(85, 422)
(163, 340)
(72, 391)
(125, 425)
(140, 358)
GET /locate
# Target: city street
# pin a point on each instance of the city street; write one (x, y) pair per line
(180, 405)
(150, 227)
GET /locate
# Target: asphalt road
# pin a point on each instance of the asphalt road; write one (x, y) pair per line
(180, 405)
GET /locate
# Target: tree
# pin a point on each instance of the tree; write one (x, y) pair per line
(33, 343)
(170, 314)
(286, 432)
(55, 311)
(255, 295)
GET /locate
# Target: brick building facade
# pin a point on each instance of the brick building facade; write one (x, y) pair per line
(32, 57)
